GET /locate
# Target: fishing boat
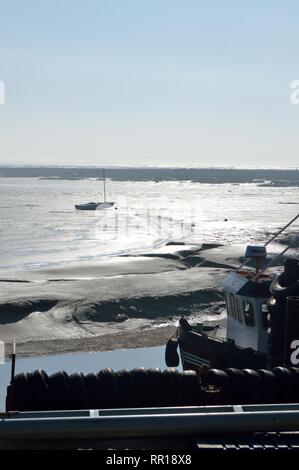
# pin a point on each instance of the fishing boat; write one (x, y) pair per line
(262, 318)
(92, 206)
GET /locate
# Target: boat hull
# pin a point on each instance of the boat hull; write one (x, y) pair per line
(199, 350)
(92, 206)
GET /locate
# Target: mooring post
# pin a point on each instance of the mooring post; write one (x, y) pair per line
(13, 361)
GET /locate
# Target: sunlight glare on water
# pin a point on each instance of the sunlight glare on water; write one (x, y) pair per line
(40, 226)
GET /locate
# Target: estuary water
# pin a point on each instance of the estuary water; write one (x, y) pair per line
(40, 227)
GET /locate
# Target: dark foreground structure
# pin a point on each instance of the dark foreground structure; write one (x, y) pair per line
(151, 409)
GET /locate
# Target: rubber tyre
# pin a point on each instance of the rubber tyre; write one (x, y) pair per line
(172, 358)
(38, 383)
(140, 383)
(285, 383)
(127, 392)
(191, 394)
(109, 390)
(237, 383)
(78, 393)
(269, 386)
(21, 396)
(92, 385)
(172, 395)
(220, 380)
(156, 387)
(281, 293)
(58, 391)
(254, 390)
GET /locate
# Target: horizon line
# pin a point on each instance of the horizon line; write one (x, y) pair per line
(174, 167)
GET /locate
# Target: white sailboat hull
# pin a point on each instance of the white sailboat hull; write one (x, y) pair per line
(105, 205)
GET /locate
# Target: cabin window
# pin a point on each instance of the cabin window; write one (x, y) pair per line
(232, 305)
(238, 309)
(248, 314)
(264, 311)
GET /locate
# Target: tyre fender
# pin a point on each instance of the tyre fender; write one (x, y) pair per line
(172, 358)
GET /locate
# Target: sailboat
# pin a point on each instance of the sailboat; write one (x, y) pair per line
(92, 206)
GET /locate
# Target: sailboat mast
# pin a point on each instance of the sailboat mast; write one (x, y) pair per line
(104, 182)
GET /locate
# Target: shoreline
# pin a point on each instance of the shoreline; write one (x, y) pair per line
(133, 339)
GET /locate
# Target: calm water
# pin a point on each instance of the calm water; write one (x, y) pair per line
(85, 362)
(40, 227)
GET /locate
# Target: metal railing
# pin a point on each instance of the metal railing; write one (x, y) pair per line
(149, 422)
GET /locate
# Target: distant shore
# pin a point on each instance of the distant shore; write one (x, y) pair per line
(208, 175)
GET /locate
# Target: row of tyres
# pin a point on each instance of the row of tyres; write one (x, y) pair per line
(125, 388)
(140, 388)
(248, 386)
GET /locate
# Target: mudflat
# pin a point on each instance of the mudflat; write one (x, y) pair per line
(119, 302)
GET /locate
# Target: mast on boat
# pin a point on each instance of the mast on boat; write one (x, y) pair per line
(104, 183)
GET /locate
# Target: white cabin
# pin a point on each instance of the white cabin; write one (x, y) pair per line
(246, 303)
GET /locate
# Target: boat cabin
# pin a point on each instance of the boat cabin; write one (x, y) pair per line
(246, 296)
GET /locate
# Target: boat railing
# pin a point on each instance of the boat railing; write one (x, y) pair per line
(146, 422)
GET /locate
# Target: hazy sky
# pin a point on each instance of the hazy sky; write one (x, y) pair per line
(147, 82)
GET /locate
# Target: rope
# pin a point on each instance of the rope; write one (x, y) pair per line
(269, 241)
(275, 258)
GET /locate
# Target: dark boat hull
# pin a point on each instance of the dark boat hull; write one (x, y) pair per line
(92, 206)
(200, 350)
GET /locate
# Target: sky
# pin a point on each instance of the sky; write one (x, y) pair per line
(149, 82)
